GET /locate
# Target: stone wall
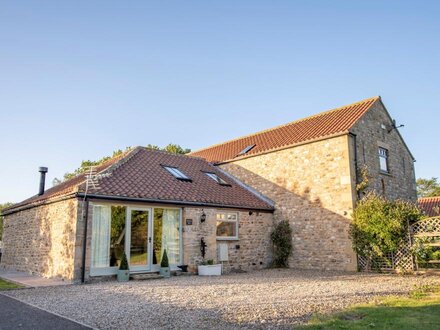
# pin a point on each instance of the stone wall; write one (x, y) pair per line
(252, 250)
(372, 133)
(311, 186)
(41, 240)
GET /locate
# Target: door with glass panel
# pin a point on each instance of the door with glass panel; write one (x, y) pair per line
(139, 228)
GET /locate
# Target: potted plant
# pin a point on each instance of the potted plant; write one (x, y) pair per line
(164, 265)
(208, 268)
(124, 270)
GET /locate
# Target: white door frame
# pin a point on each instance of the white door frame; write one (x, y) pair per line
(147, 267)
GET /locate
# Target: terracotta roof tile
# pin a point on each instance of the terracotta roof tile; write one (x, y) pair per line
(140, 174)
(430, 205)
(326, 124)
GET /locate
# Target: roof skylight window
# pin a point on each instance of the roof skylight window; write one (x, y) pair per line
(246, 150)
(178, 174)
(217, 179)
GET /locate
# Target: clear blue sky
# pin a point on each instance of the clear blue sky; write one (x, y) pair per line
(82, 78)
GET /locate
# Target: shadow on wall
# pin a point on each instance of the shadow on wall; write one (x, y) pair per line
(320, 236)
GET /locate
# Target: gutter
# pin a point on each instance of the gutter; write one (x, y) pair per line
(161, 201)
(12, 209)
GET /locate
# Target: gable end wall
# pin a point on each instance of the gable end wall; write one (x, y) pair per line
(400, 183)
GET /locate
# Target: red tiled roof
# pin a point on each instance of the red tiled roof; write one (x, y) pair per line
(65, 188)
(430, 205)
(326, 124)
(139, 174)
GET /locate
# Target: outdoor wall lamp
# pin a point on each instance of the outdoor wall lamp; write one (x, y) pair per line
(203, 217)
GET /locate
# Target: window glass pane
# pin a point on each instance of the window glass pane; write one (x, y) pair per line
(226, 229)
(108, 235)
(221, 216)
(383, 164)
(167, 235)
(117, 235)
(383, 159)
(232, 216)
(139, 238)
(176, 172)
(157, 236)
(216, 178)
(101, 236)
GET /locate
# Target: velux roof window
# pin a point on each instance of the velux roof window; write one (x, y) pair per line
(217, 179)
(178, 174)
(246, 150)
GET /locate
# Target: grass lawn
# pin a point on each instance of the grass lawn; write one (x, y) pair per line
(420, 310)
(5, 285)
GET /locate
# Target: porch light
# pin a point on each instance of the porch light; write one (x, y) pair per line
(203, 217)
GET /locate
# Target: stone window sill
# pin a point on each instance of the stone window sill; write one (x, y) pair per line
(228, 239)
(385, 173)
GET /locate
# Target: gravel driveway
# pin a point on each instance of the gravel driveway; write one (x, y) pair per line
(263, 299)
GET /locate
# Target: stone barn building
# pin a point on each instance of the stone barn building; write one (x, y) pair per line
(229, 195)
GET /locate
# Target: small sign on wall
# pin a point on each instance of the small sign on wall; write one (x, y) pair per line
(189, 222)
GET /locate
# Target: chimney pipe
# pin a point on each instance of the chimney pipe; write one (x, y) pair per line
(43, 171)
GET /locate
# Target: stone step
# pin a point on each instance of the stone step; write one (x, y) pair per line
(144, 277)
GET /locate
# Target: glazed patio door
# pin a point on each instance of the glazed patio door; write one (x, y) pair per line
(138, 243)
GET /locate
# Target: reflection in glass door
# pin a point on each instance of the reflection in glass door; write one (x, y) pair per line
(139, 253)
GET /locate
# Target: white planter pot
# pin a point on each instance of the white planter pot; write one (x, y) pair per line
(210, 270)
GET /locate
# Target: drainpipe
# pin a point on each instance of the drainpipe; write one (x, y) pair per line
(356, 174)
(85, 216)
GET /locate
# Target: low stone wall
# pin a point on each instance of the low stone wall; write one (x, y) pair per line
(41, 240)
(252, 250)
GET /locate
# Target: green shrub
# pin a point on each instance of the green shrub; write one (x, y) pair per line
(164, 262)
(436, 255)
(380, 225)
(421, 250)
(282, 241)
(124, 263)
(208, 262)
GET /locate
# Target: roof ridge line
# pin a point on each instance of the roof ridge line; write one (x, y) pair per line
(289, 123)
(170, 153)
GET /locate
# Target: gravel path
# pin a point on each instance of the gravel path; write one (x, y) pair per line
(263, 299)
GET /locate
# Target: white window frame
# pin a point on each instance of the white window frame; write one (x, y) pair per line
(384, 154)
(177, 173)
(216, 178)
(226, 214)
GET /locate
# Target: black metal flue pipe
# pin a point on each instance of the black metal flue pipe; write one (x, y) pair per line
(43, 171)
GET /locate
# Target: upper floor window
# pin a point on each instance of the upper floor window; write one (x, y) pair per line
(383, 160)
(246, 150)
(217, 179)
(178, 174)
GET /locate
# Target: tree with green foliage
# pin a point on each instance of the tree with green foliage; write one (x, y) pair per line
(282, 242)
(85, 164)
(2, 207)
(380, 225)
(428, 187)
